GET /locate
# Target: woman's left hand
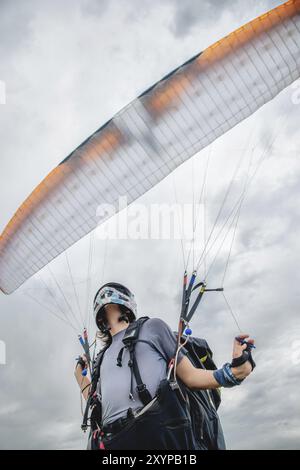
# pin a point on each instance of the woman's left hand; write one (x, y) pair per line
(245, 369)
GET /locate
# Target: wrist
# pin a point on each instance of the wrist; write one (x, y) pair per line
(225, 377)
(238, 373)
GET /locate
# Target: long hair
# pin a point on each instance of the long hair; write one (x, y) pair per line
(106, 337)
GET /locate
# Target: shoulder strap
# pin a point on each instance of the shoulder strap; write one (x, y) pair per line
(96, 368)
(130, 339)
(133, 330)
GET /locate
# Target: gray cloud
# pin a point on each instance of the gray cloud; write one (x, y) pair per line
(192, 13)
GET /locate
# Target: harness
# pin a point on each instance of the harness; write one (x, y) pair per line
(93, 404)
(196, 407)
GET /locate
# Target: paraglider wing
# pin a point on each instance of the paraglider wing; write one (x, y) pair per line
(144, 142)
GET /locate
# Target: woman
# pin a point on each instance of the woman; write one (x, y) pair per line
(132, 395)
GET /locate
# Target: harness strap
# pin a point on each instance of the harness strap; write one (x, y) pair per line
(94, 381)
(143, 392)
(130, 339)
(84, 425)
(120, 357)
(130, 342)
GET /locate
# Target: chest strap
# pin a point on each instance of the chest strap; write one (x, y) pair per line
(130, 339)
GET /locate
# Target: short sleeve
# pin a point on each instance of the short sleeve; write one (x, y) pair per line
(163, 339)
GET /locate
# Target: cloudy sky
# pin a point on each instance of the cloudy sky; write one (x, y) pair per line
(69, 66)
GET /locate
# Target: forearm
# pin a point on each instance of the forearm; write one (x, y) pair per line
(82, 381)
(197, 379)
(202, 379)
(194, 378)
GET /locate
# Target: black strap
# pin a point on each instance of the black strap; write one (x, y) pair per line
(84, 425)
(95, 377)
(131, 334)
(120, 357)
(194, 307)
(130, 339)
(116, 426)
(141, 388)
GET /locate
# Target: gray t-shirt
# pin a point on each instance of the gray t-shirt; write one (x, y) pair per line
(115, 382)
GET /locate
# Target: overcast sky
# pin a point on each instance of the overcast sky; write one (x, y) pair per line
(69, 66)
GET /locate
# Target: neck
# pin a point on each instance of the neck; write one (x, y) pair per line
(117, 327)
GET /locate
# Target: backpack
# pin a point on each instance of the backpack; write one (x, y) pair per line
(202, 404)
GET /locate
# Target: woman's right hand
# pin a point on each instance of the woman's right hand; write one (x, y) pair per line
(82, 362)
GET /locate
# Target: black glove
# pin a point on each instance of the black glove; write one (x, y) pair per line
(81, 362)
(246, 356)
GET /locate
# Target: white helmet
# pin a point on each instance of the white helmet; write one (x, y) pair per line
(114, 293)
